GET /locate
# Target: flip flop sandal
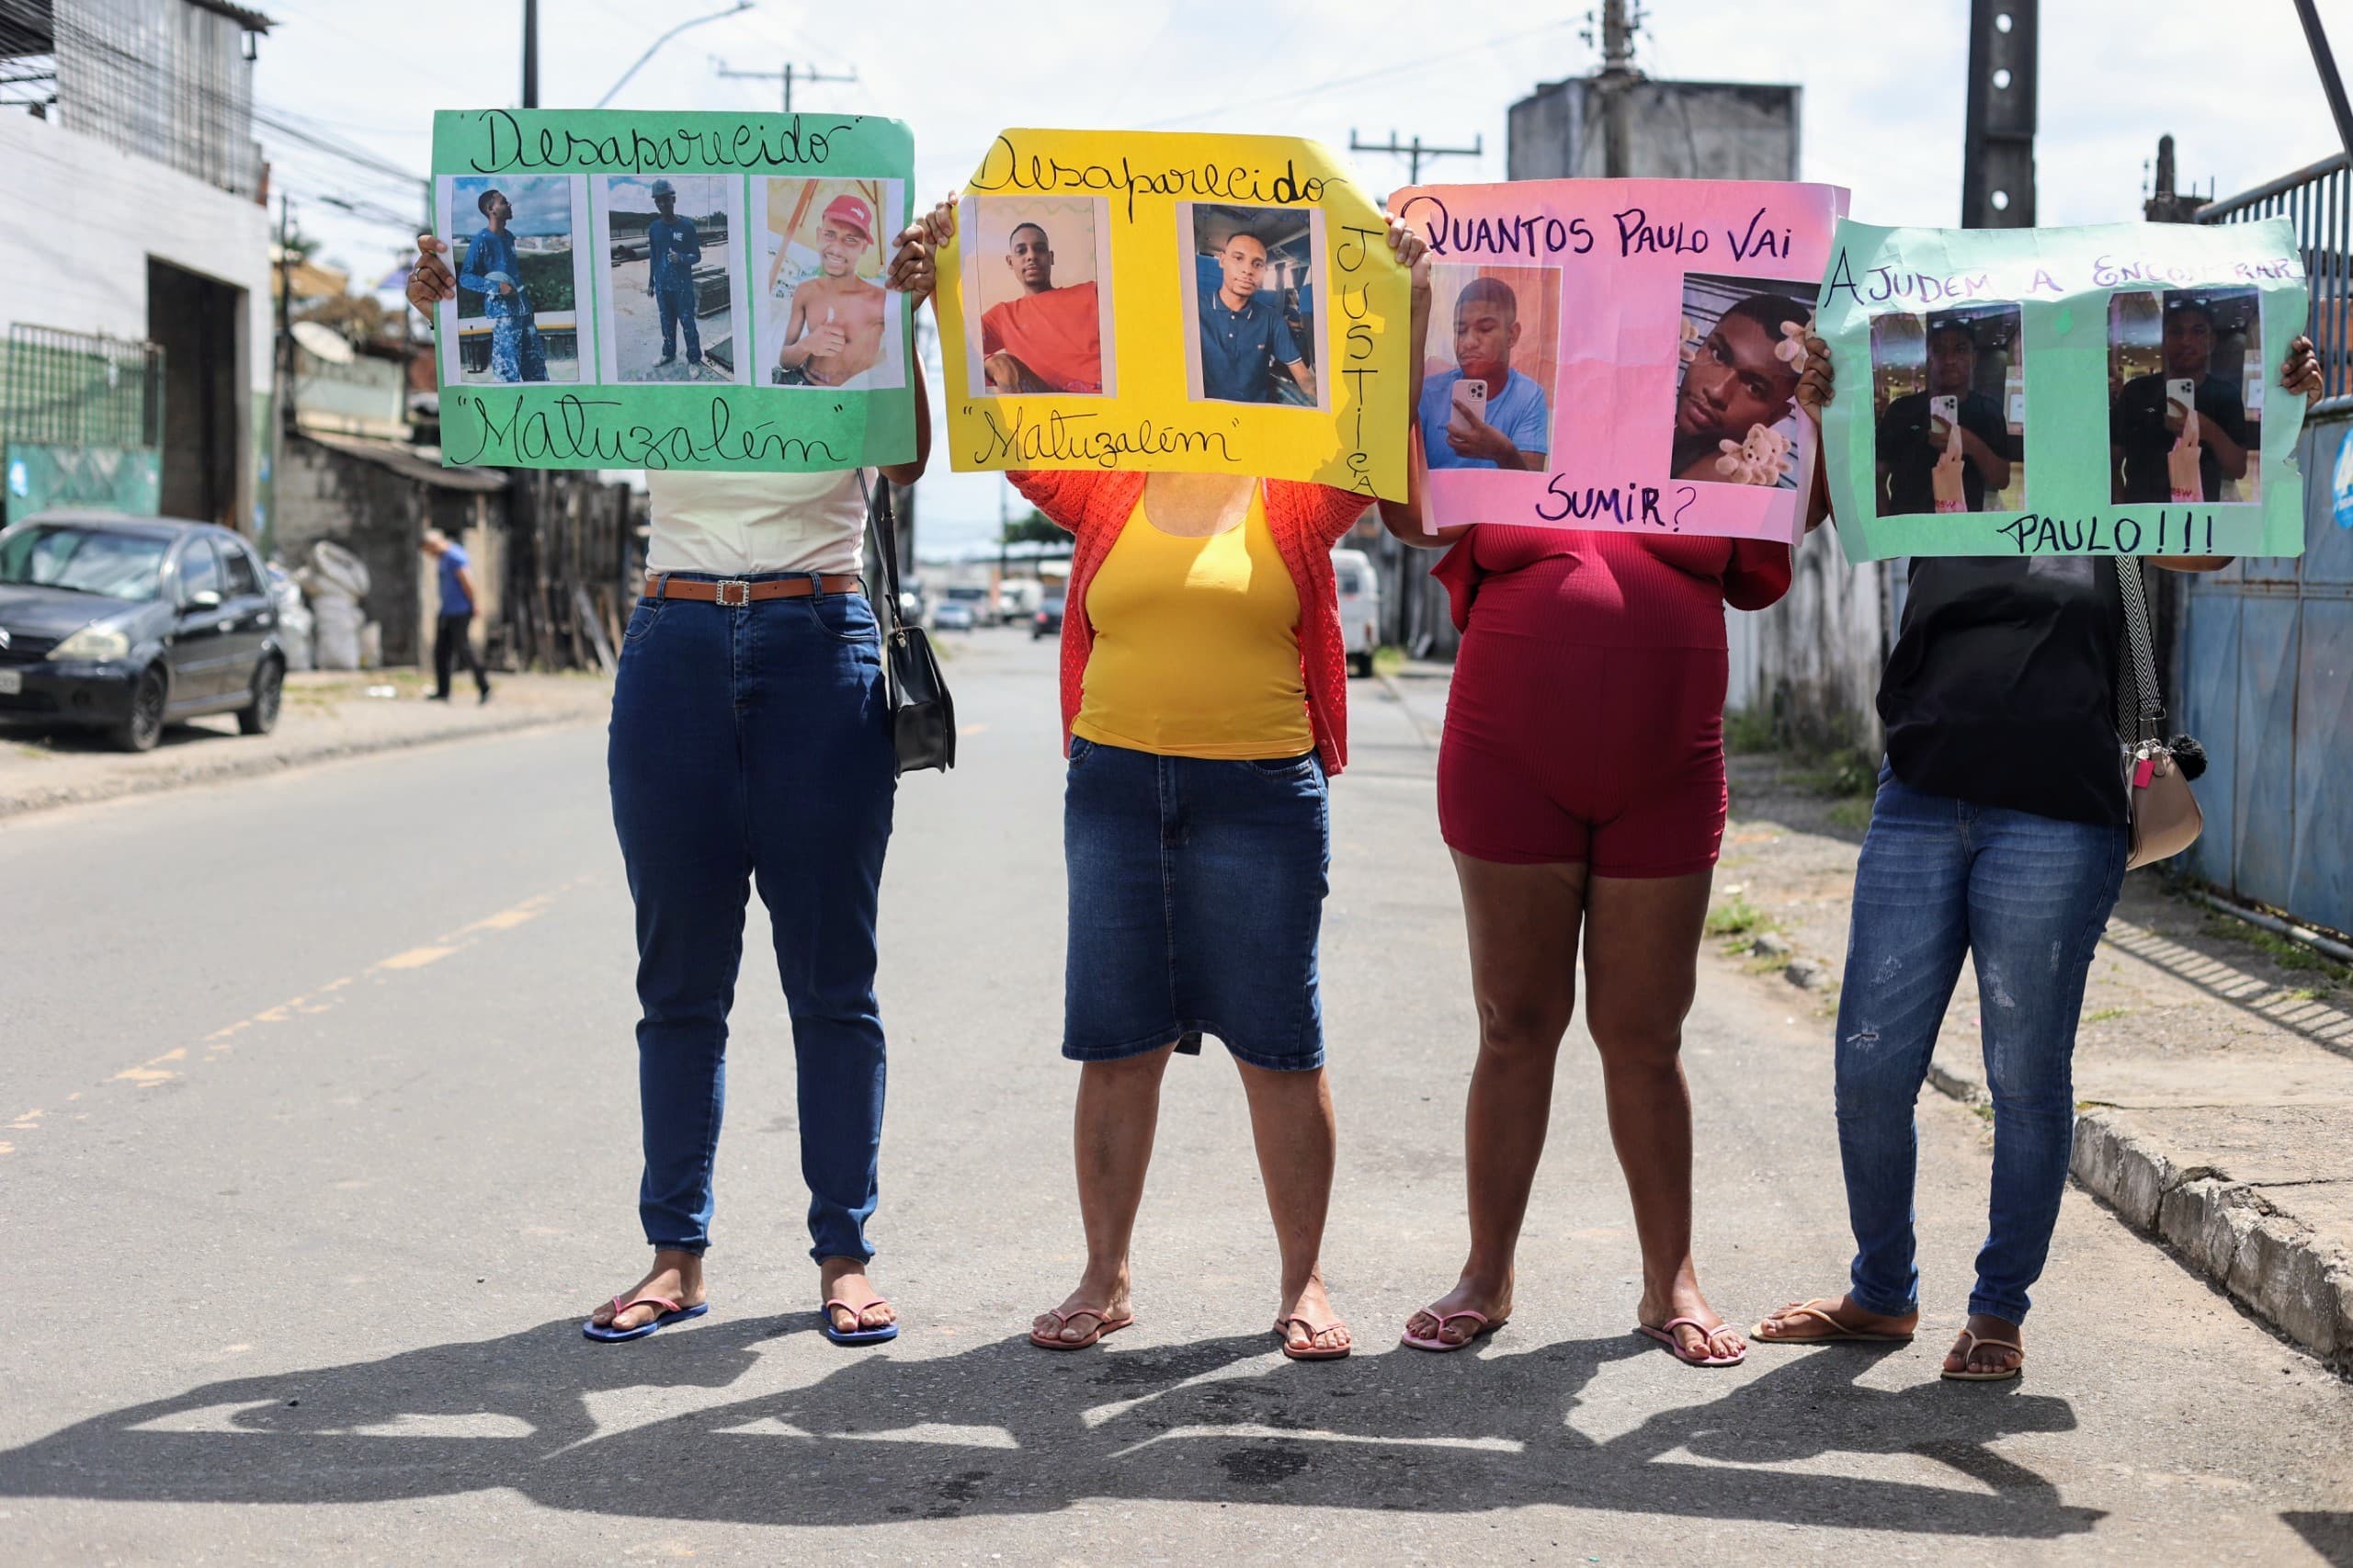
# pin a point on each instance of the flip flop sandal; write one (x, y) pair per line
(1103, 1325)
(1487, 1326)
(1665, 1335)
(1838, 1333)
(1310, 1351)
(2005, 1375)
(857, 1314)
(671, 1313)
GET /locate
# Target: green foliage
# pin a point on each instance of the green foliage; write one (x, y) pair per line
(1748, 730)
(2279, 949)
(1035, 528)
(1736, 917)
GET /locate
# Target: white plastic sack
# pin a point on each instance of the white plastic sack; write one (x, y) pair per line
(339, 621)
(334, 567)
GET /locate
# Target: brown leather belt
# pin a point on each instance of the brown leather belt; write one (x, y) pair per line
(736, 592)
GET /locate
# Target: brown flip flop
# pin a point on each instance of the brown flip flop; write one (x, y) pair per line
(1966, 1376)
(1310, 1351)
(1838, 1333)
(1104, 1323)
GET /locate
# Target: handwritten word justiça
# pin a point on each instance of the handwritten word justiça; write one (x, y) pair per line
(1007, 168)
(575, 430)
(739, 146)
(1534, 235)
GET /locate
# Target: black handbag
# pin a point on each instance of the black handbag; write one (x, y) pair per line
(923, 716)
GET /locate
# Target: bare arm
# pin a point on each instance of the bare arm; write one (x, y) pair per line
(1303, 376)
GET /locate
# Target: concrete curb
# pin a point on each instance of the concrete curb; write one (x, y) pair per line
(2271, 1263)
(210, 771)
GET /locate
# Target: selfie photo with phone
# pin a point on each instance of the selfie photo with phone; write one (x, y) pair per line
(2173, 353)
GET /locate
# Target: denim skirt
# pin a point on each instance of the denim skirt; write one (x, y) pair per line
(1196, 904)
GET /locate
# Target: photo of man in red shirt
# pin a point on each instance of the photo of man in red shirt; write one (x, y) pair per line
(1046, 339)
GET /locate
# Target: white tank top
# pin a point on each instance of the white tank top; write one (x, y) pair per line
(737, 524)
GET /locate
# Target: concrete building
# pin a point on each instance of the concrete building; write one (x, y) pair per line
(1674, 131)
(137, 245)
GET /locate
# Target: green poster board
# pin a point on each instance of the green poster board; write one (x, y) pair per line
(673, 290)
(2068, 360)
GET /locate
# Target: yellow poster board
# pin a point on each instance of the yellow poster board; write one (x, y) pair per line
(1129, 299)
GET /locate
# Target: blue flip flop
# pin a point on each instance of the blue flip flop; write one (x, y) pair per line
(671, 1313)
(858, 1335)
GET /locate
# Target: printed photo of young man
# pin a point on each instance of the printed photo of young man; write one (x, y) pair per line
(1048, 338)
(1915, 428)
(834, 330)
(1736, 419)
(2201, 352)
(1483, 413)
(1243, 262)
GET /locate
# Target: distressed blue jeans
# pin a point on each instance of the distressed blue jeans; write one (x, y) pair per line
(2027, 897)
(752, 746)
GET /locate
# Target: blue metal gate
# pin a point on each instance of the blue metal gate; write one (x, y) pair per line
(2263, 663)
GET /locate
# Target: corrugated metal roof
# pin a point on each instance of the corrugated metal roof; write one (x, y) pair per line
(251, 20)
(405, 461)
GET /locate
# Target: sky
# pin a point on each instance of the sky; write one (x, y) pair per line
(542, 206)
(1881, 110)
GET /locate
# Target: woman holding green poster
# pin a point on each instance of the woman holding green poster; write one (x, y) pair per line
(751, 745)
(1999, 834)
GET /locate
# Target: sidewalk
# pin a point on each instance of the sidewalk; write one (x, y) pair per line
(327, 714)
(2213, 1068)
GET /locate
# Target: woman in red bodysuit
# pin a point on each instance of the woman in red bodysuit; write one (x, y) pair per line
(1581, 788)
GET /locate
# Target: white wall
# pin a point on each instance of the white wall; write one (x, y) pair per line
(83, 219)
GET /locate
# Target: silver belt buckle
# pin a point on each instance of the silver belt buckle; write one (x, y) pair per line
(743, 593)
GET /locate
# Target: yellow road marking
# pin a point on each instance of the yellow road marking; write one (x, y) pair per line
(151, 1071)
(416, 958)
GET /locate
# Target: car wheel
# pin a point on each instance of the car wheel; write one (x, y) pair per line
(1360, 664)
(260, 716)
(145, 725)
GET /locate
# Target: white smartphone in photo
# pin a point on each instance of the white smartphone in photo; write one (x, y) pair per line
(1944, 412)
(2183, 394)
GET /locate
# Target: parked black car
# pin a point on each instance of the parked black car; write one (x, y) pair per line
(1048, 621)
(126, 624)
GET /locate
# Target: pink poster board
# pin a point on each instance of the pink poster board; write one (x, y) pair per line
(1595, 344)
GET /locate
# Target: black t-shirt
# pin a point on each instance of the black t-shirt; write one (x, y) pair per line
(1911, 456)
(2002, 687)
(2140, 431)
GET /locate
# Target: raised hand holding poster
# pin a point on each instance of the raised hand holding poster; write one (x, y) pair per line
(2064, 392)
(1621, 355)
(673, 290)
(1127, 299)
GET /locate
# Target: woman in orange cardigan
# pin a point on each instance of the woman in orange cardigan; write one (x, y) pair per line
(1204, 694)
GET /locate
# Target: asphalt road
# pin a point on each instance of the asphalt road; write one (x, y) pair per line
(320, 1137)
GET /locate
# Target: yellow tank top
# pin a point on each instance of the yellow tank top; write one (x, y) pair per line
(1196, 645)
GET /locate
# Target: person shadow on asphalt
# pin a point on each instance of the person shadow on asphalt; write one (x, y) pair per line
(1001, 1429)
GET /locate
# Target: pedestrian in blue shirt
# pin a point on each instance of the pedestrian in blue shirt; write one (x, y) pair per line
(1513, 427)
(1244, 335)
(675, 245)
(495, 270)
(451, 628)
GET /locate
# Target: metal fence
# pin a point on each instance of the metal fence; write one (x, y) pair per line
(2263, 668)
(2318, 199)
(76, 389)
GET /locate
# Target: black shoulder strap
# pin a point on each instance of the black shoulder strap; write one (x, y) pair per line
(883, 528)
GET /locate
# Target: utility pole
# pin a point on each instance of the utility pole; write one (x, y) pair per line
(2331, 84)
(281, 379)
(1998, 151)
(1415, 151)
(789, 75)
(1620, 19)
(530, 53)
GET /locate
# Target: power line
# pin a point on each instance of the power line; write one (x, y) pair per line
(1335, 83)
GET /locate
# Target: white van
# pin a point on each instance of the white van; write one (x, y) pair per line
(1359, 608)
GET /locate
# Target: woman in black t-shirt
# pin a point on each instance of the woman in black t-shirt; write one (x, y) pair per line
(1999, 832)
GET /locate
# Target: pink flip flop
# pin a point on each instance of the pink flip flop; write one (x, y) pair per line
(1487, 1326)
(1103, 1325)
(1665, 1335)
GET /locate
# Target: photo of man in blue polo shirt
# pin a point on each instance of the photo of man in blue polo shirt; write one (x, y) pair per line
(1512, 427)
(1245, 339)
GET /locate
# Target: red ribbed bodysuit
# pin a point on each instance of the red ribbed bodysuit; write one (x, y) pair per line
(1586, 722)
